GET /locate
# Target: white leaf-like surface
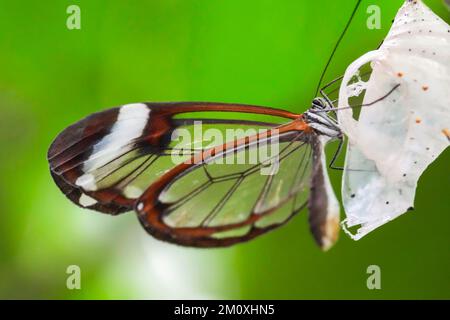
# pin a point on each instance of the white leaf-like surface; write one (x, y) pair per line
(394, 140)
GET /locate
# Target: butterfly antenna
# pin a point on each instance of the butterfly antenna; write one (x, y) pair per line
(364, 104)
(336, 46)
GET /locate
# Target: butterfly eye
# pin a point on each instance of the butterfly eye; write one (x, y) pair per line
(319, 104)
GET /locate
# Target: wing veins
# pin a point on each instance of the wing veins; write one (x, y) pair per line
(221, 203)
(177, 204)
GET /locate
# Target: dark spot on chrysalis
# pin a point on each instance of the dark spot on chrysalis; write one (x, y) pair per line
(415, 162)
(352, 195)
(387, 202)
(428, 148)
(410, 209)
(404, 174)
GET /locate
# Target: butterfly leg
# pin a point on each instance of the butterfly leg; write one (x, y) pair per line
(325, 95)
(336, 154)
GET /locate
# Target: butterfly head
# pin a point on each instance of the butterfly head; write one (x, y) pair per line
(320, 104)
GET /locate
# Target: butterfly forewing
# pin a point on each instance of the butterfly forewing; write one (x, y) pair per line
(107, 160)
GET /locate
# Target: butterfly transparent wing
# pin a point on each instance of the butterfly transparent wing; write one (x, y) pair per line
(394, 140)
(224, 200)
(105, 161)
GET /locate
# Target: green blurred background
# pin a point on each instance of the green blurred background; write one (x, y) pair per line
(248, 51)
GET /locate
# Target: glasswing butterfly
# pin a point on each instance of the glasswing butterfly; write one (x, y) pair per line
(120, 159)
(117, 160)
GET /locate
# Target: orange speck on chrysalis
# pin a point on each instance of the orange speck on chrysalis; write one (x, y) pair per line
(424, 88)
(418, 120)
(446, 133)
(400, 74)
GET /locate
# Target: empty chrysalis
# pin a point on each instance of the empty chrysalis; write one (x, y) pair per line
(394, 140)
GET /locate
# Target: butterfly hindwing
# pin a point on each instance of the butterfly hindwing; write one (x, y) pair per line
(210, 204)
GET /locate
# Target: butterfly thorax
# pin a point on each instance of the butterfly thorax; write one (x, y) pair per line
(319, 119)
